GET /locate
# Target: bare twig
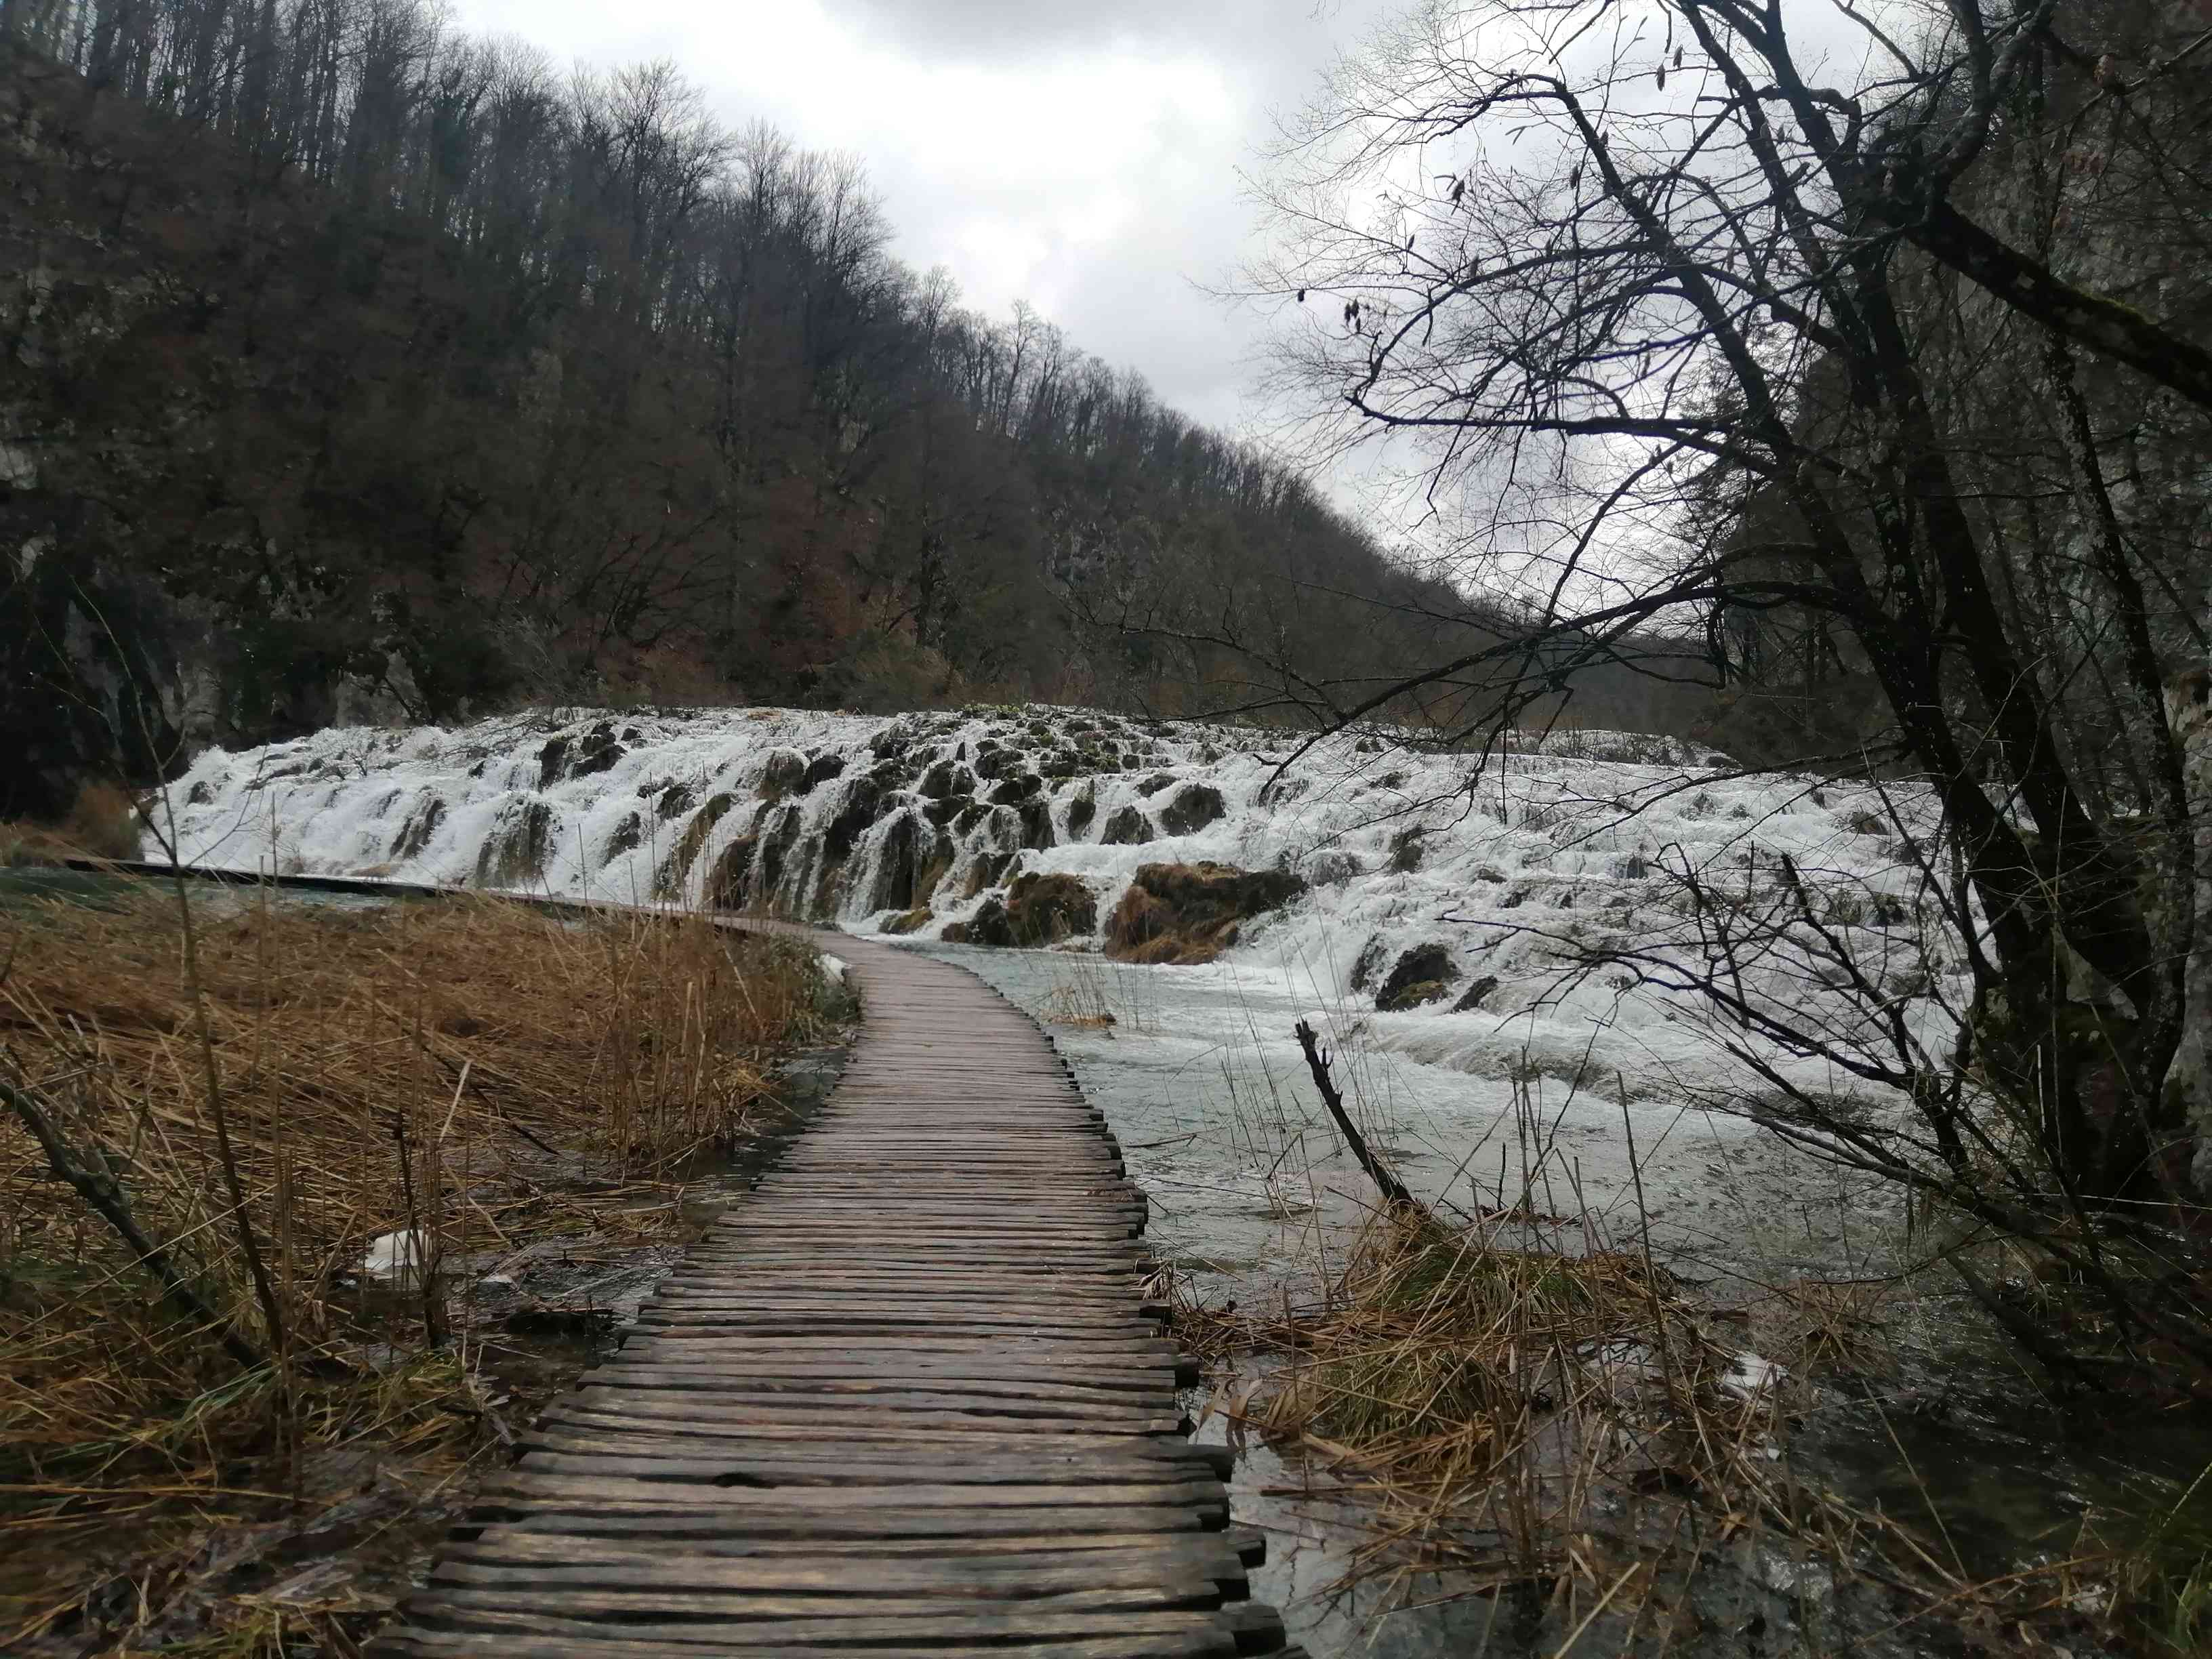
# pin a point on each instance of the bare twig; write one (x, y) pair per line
(1393, 1190)
(98, 1187)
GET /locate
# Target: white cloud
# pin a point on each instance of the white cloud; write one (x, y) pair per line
(1083, 159)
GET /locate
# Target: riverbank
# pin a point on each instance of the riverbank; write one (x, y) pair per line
(351, 1188)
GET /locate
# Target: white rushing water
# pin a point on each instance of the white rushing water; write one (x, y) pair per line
(1504, 872)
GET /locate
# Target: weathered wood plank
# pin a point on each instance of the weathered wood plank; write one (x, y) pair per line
(909, 1399)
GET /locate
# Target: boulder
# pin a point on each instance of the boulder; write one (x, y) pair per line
(1476, 993)
(1424, 973)
(422, 823)
(863, 803)
(1036, 823)
(944, 781)
(1194, 806)
(820, 770)
(628, 835)
(1367, 965)
(985, 872)
(1127, 828)
(513, 855)
(781, 773)
(909, 847)
(595, 750)
(1044, 909)
(1190, 913)
(990, 925)
(668, 881)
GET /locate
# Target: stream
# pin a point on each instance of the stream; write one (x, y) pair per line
(1255, 1197)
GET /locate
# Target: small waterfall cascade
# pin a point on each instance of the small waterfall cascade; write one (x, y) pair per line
(1379, 858)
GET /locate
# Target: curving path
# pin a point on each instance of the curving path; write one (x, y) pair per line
(909, 1400)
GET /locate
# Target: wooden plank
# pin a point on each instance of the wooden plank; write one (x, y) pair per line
(828, 1585)
(838, 1531)
(494, 1611)
(690, 1642)
(1214, 1551)
(662, 1415)
(895, 1376)
(857, 1481)
(878, 1466)
(907, 1399)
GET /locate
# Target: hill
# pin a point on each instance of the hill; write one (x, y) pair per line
(359, 370)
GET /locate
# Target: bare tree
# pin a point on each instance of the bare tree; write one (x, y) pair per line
(1691, 340)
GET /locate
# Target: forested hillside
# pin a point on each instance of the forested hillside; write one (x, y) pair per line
(357, 368)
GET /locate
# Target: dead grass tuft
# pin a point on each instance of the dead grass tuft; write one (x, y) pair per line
(485, 1073)
(102, 823)
(1565, 1423)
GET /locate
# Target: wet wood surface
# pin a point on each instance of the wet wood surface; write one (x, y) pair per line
(911, 1398)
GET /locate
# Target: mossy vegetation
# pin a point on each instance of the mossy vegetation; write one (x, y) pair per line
(1191, 913)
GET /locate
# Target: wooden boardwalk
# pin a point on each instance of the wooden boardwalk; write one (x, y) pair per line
(907, 1399)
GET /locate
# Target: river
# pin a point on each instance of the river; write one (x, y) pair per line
(1255, 1197)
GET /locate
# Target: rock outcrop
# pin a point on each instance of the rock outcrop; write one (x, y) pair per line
(1191, 913)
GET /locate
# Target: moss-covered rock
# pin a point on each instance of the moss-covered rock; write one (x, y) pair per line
(1423, 975)
(421, 824)
(1194, 807)
(986, 873)
(1191, 913)
(1044, 909)
(628, 835)
(595, 751)
(988, 926)
(1127, 828)
(1476, 995)
(782, 773)
(668, 881)
(515, 851)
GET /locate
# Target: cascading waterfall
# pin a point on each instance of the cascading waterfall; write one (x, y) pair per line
(1434, 886)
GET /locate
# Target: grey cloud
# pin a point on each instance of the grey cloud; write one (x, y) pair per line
(1263, 40)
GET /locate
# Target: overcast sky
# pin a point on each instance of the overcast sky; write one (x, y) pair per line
(1080, 155)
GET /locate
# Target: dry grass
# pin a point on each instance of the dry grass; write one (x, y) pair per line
(481, 1072)
(1564, 1425)
(1092, 994)
(1567, 1432)
(102, 823)
(1477, 1389)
